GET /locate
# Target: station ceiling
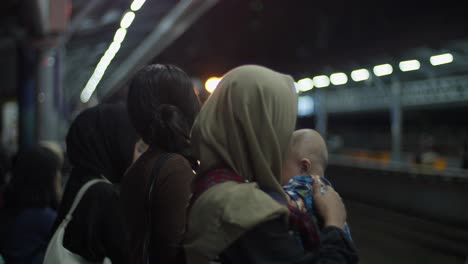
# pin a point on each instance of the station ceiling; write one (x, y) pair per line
(304, 37)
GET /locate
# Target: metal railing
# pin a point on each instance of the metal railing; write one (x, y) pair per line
(399, 167)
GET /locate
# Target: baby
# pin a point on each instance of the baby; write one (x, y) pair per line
(307, 156)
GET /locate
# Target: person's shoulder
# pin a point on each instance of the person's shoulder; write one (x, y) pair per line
(177, 160)
(49, 212)
(49, 215)
(101, 189)
(177, 164)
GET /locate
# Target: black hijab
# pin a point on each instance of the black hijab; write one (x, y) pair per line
(101, 141)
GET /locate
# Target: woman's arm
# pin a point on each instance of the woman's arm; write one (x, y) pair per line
(335, 247)
(271, 242)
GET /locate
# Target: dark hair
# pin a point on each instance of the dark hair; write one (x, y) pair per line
(33, 181)
(162, 106)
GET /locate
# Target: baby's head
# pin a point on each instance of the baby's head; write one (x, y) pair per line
(307, 155)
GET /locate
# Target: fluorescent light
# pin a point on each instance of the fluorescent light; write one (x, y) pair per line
(338, 78)
(321, 81)
(90, 87)
(305, 106)
(360, 75)
(101, 67)
(84, 97)
(113, 48)
(305, 84)
(441, 59)
(127, 19)
(212, 83)
(88, 90)
(137, 4)
(382, 70)
(409, 65)
(106, 59)
(120, 35)
(110, 53)
(99, 72)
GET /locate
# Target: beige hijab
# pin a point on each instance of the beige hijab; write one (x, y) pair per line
(246, 125)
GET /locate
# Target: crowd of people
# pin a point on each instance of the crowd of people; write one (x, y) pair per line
(164, 178)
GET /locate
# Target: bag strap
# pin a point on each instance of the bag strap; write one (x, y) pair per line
(163, 157)
(81, 193)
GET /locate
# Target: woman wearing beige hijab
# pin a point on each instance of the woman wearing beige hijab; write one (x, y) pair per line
(238, 212)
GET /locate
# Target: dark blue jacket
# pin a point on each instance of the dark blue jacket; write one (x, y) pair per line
(24, 235)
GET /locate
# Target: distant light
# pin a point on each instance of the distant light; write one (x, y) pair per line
(127, 19)
(305, 106)
(305, 84)
(409, 65)
(137, 4)
(120, 35)
(321, 81)
(441, 59)
(338, 78)
(212, 83)
(360, 75)
(382, 70)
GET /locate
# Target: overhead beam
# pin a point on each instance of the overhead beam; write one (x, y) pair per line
(78, 18)
(176, 22)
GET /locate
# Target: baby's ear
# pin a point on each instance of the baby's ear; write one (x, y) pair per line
(305, 165)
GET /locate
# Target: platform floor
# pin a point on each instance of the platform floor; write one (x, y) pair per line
(382, 237)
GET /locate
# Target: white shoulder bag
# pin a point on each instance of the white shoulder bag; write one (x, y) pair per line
(56, 253)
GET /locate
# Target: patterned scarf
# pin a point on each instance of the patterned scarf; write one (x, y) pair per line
(299, 191)
(299, 222)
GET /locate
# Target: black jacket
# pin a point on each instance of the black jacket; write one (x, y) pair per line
(272, 243)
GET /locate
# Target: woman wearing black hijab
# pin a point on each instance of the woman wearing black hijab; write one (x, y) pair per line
(100, 144)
